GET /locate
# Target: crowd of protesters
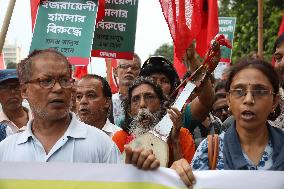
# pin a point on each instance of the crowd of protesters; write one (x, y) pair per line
(245, 110)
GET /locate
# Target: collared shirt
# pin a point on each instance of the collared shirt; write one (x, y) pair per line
(118, 111)
(12, 128)
(110, 128)
(200, 159)
(80, 143)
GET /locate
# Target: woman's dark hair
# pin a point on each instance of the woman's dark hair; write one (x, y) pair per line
(160, 65)
(127, 100)
(266, 68)
(278, 42)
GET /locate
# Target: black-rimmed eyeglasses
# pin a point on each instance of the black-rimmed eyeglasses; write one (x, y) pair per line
(50, 82)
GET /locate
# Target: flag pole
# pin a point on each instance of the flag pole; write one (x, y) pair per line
(260, 29)
(6, 23)
(108, 69)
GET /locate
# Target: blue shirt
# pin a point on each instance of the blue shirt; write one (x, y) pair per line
(200, 159)
(80, 143)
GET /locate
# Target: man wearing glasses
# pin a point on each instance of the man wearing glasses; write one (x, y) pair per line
(126, 72)
(14, 116)
(220, 106)
(54, 134)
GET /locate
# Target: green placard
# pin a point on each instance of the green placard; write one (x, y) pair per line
(66, 26)
(227, 28)
(114, 36)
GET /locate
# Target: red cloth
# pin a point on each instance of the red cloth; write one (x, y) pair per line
(80, 71)
(186, 141)
(112, 81)
(2, 63)
(34, 7)
(281, 28)
(209, 27)
(101, 10)
(183, 18)
(179, 66)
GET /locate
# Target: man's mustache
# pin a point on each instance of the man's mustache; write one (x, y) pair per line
(137, 127)
(144, 113)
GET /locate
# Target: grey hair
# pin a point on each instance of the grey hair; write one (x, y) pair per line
(24, 70)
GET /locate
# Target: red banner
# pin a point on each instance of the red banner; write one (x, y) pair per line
(191, 19)
(112, 54)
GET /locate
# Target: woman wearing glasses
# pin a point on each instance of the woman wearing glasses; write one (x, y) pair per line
(250, 143)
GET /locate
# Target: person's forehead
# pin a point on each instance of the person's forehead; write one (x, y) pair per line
(280, 49)
(221, 90)
(159, 75)
(142, 89)
(89, 85)
(45, 65)
(250, 76)
(128, 62)
(220, 103)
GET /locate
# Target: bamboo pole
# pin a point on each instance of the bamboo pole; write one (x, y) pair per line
(260, 29)
(6, 23)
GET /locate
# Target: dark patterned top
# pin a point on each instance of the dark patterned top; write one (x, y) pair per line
(279, 122)
(200, 159)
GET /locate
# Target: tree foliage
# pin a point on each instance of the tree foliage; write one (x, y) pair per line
(166, 50)
(11, 65)
(246, 34)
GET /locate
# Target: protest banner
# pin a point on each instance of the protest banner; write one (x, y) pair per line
(114, 36)
(29, 175)
(227, 28)
(84, 175)
(67, 27)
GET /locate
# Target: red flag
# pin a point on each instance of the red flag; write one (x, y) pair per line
(280, 31)
(101, 10)
(209, 27)
(34, 7)
(179, 66)
(112, 80)
(80, 71)
(184, 21)
(281, 28)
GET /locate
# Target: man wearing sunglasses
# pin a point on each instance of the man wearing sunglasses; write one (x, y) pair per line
(14, 116)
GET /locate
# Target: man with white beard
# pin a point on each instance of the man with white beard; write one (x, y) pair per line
(144, 107)
(278, 51)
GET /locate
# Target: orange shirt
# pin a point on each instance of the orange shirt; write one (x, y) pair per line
(186, 141)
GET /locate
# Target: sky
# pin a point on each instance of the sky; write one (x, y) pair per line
(151, 32)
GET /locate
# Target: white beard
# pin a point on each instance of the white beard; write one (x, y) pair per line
(281, 93)
(137, 128)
